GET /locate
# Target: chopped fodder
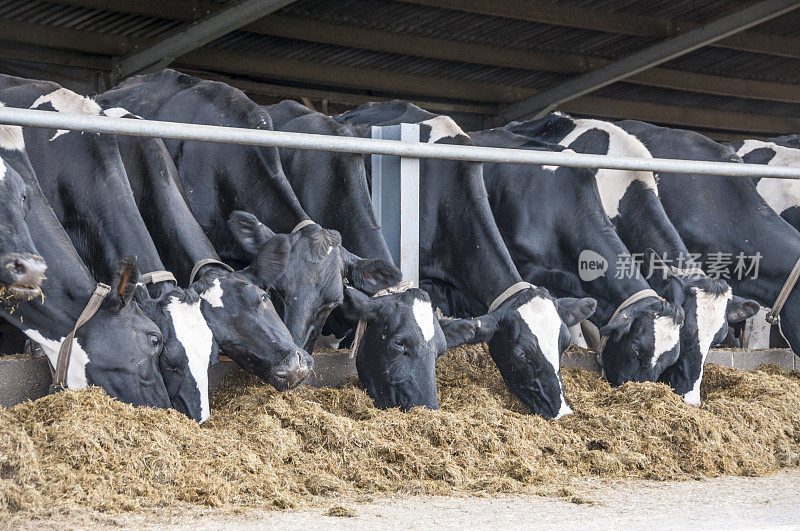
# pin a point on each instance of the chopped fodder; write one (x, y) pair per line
(263, 448)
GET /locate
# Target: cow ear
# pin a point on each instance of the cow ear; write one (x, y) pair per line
(125, 279)
(740, 309)
(572, 311)
(620, 326)
(271, 259)
(358, 306)
(248, 231)
(369, 275)
(469, 331)
(673, 290)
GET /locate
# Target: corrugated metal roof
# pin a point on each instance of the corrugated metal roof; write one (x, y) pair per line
(408, 19)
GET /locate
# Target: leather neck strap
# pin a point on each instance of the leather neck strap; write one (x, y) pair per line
(774, 314)
(507, 294)
(204, 262)
(158, 276)
(65, 352)
(304, 223)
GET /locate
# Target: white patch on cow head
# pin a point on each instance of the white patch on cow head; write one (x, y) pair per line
(64, 100)
(542, 319)
(118, 112)
(194, 334)
(11, 137)
(667, 334)
(213, 295)
(779, 194)
(76, 371)
(710, 314)
(423, 314)
(612, 184)
(443, 127)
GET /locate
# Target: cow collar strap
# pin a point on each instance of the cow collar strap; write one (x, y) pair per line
(402, 286)
(636, 297)
(774, 314)
(155, 277)
(507, 294)
(204, 262)
(65, 352)
(304, 223)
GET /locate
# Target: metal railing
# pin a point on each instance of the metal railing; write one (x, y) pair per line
(258, 137)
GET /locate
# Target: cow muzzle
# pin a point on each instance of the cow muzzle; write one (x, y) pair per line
(293, 370)
(23, 273)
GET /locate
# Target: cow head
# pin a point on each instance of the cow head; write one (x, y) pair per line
(709, 307)
(396, 356)
(119, 347)
(311, 284)
(188, 346)
(246, 326)
(643, 339)
(21, 267)
(526, 336)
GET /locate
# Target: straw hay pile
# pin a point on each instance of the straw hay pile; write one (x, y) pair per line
(268, 449)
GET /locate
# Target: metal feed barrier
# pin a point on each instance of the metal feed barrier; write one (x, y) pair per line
(396, 197)
(395, 151)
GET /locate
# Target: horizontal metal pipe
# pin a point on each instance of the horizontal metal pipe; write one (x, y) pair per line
(259, 137)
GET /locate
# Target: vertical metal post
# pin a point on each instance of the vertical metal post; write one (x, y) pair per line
(395, 199)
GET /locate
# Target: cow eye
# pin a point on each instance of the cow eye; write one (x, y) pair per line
(264, 298)
(155, 340)
(398, 343)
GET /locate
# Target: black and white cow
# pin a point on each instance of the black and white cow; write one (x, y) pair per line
(465, 266)
(630, 199)
(402, 340)
(241, 317)
(84, 180)
(783, 195)
(221, 178)
(717, 214)
(551, 219)
(119, 347)
(328, 183)
(21, 267)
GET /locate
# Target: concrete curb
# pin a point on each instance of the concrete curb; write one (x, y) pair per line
(28, 378)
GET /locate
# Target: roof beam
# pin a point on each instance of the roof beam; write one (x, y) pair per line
(613, 22)
(162, 53)
(640, 61)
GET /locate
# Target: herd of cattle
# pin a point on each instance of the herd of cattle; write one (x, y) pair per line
(500, 249)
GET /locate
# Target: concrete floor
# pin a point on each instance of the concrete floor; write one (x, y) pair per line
(722, 503)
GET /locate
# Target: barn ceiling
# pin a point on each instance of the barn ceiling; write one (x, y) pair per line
(469, 58)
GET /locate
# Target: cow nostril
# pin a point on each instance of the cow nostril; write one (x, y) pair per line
(19, 267)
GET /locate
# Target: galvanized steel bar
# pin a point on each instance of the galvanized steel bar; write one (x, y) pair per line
(258, 137)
